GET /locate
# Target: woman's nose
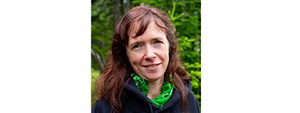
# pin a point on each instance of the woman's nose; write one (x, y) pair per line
(150, 53)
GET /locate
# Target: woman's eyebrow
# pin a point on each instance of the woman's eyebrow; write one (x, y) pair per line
(157, 38)
(139, 42)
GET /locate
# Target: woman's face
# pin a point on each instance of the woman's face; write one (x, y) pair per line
(149, 53)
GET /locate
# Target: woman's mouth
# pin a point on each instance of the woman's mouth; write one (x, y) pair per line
(151, 65)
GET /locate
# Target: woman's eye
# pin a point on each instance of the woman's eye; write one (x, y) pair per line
(137, 46)
(157, 42)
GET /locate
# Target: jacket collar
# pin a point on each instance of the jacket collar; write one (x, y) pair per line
(131, 89)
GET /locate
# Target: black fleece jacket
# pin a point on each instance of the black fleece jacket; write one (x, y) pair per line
(136, 102)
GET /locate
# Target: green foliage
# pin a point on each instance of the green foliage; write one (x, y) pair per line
(185, 16)
(186, 19)
(95, 74)
(102, 28)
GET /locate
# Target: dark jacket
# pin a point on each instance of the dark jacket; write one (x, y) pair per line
(136, 102)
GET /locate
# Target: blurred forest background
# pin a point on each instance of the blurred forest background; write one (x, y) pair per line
(185, 15)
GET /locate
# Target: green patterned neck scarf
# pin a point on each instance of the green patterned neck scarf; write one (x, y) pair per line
(160, 100)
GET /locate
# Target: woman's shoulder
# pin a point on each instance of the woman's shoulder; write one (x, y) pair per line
(192, 100)
(193, 103)
(101, 106)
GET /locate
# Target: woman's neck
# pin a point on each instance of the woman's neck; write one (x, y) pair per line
(155, 88)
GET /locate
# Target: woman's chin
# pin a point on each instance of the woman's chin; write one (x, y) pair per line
(153, 77)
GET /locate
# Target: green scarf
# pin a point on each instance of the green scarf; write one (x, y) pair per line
(160, 100)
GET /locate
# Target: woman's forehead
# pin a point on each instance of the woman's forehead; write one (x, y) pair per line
(138, 27)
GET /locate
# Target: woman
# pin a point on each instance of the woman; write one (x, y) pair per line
(143, 73)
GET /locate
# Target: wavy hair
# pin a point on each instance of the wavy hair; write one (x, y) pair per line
(110, 83)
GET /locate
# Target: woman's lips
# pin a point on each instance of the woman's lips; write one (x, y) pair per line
(151, 65)
(152, 69)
